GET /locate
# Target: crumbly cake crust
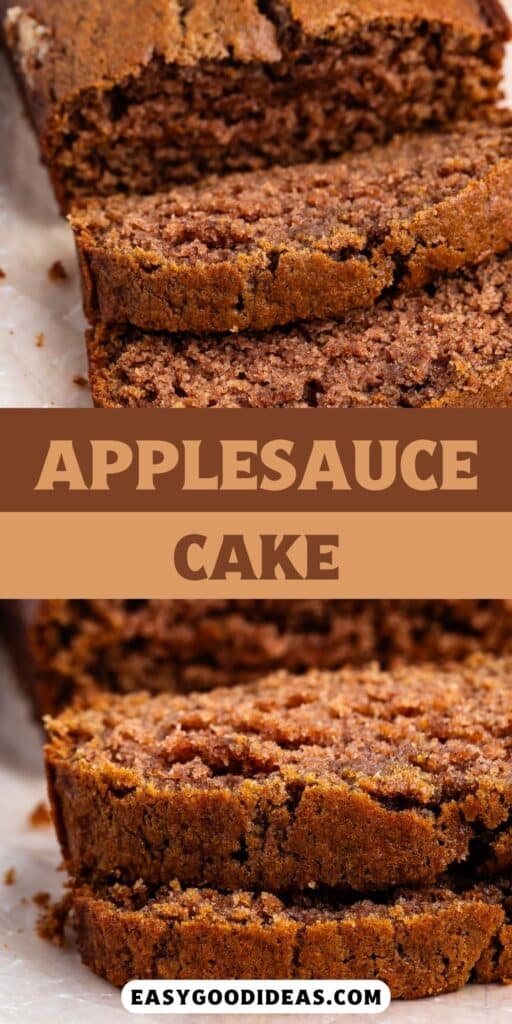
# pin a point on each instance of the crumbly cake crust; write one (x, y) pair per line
(248, 252)
(421, 944)
(360, 780)
(175, 90)
(68, 649)
(450, 345)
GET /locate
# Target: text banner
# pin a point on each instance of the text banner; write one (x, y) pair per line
(133, 555)
(318, 460)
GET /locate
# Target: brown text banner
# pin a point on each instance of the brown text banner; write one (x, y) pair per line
(242, 461)
(144, 554)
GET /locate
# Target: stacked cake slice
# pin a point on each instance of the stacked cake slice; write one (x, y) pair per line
(342, 825)
(216, 294)
(450, 346)
(419, 943)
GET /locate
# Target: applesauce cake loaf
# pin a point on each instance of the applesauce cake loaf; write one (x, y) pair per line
(134, 95)
(420, 943)
(358, 780)
(447, 345)
(75, 648)
(251, 251)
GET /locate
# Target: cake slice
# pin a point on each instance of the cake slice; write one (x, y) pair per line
(449, 345)
(420, 943)
(133, 95)
(359, 780)
(75, 649)
(251, 251)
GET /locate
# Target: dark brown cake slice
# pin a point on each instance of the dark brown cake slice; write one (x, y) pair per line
(68, 649)
(250, 251)
(421, 943)
(360, 780)
(133, 95)
(449, 345)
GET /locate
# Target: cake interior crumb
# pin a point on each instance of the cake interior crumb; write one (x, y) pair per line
(39, 340)
(10, 876)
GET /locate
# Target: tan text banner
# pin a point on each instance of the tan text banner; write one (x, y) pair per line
(141, 554)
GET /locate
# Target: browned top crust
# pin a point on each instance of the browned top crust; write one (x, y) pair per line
(78, 47)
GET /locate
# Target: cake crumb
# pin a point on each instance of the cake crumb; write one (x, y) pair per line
(80, 381)
(2, 274)
(40, 817)
(57, 272)
(51, 923)
(10, 876)
(39, 340)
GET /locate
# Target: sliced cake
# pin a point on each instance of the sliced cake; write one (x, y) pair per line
(447, 346)
(251, 251)
(359, 780)
(421, 943)
(134, 95)
(76, 648)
